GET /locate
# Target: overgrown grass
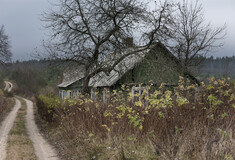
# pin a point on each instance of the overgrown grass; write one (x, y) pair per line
(6, 104)
(190, 123)
(30, 76)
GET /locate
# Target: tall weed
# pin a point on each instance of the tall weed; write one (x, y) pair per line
(190, 122)
(6, 104)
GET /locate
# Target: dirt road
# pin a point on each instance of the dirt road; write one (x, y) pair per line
(42, 148)
(6, 127)
(8, 86)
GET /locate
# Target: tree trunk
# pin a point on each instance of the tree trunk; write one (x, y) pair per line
(85, 89)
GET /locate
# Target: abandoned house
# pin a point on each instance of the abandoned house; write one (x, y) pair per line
(157, 65)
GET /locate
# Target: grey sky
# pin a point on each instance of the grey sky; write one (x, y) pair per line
(219, 12)
(22, 24)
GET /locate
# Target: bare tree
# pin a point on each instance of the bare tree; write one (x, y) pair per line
(5, 53)
(192, 37)
(92, 33)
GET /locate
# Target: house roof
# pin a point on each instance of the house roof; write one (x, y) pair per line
(102, 79)
(66, 84)
(105, 80)
(178, 62)
(71, 75)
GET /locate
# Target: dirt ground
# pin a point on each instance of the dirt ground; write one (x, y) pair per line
(5, 129)
(43, 149)
(20, 147)
(20, 138)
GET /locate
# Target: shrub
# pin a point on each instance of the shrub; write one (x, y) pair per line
(46, 107)
(8, 94)
(189, 123)
(5, 104)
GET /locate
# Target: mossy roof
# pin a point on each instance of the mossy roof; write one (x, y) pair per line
(105, 80)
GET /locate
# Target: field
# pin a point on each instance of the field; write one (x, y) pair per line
(189, 122)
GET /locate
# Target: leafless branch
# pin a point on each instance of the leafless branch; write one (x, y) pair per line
(5, 53)
(191, 35)
(90, 31)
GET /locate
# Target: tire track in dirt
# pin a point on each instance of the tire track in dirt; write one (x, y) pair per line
(6, 127)
(8, 86)
(43, 150)
(19, 146)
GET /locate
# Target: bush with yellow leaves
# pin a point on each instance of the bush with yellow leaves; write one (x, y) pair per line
(190, 122)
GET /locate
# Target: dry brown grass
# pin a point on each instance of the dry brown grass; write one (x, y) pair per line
(20, 147)
(201, 128)
(6, 104)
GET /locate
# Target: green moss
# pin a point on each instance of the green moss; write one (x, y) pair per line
(156, 67)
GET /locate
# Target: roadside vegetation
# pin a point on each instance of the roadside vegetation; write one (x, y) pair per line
(1, 81)
(29, 77)
(187, 123)
(6, 104)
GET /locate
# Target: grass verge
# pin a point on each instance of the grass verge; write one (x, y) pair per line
(20, 147)
(51, 133)
(6, 104)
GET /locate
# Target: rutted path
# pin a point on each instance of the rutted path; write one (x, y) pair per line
(19, 146)
(5, 129)
(43, 150)
(8, 86)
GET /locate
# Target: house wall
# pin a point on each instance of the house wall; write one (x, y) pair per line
(72, 90)
(69, 93)
(75, 85)
(155, 67)
(63, 94)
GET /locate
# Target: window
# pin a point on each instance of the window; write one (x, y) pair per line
(61, 94)
(93, 94)
(138, 90)
(70, 94)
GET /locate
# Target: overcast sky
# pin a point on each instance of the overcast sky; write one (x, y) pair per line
(22, 23)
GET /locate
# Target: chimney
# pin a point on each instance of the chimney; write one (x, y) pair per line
(129, 42)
